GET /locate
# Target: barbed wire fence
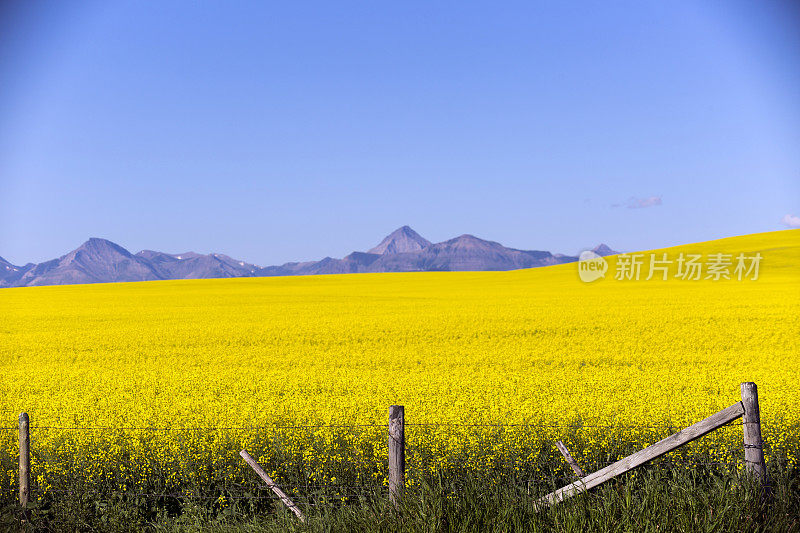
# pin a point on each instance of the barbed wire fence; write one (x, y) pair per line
(329, 464)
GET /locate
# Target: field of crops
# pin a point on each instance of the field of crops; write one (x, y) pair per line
(186, 373)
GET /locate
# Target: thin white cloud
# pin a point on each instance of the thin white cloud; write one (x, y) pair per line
(791, 221)
(640, 203)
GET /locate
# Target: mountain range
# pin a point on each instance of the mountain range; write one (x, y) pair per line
(404, 250)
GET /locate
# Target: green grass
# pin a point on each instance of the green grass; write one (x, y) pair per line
(657, 498)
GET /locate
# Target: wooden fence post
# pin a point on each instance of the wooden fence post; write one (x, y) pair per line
(751, 428)
(272, 485)
(570, 461)
(24, 463)
(397, 453)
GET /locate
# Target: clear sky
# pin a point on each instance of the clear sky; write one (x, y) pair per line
(277, 131)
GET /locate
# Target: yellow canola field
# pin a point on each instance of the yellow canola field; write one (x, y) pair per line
(538, 349)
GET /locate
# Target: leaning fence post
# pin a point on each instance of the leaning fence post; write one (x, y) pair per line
(24, 462)
(272, 485)
(397, 453)
(751, 427)
(570, 461)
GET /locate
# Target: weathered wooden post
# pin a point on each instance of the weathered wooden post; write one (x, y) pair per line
(570, 461)
(751, 427)
(272, 485)
(24, 463)
(397, 453)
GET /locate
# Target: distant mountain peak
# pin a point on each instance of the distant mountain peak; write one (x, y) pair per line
(470, 241)
(102, 246)
(98, 241)
(604, 249)
(467, 237)
(94, 261)
(6, 267)
(401, 240)
(187, 255)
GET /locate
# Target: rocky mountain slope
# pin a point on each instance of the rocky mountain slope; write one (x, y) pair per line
(404, 250)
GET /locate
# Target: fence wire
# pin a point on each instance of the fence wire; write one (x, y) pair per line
(347, 463)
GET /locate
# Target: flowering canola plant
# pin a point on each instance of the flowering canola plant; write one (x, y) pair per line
(160, 384)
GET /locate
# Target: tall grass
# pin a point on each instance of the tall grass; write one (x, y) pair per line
(655, 499)
(662, 497)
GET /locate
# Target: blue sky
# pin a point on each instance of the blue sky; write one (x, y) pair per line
(297, 130)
